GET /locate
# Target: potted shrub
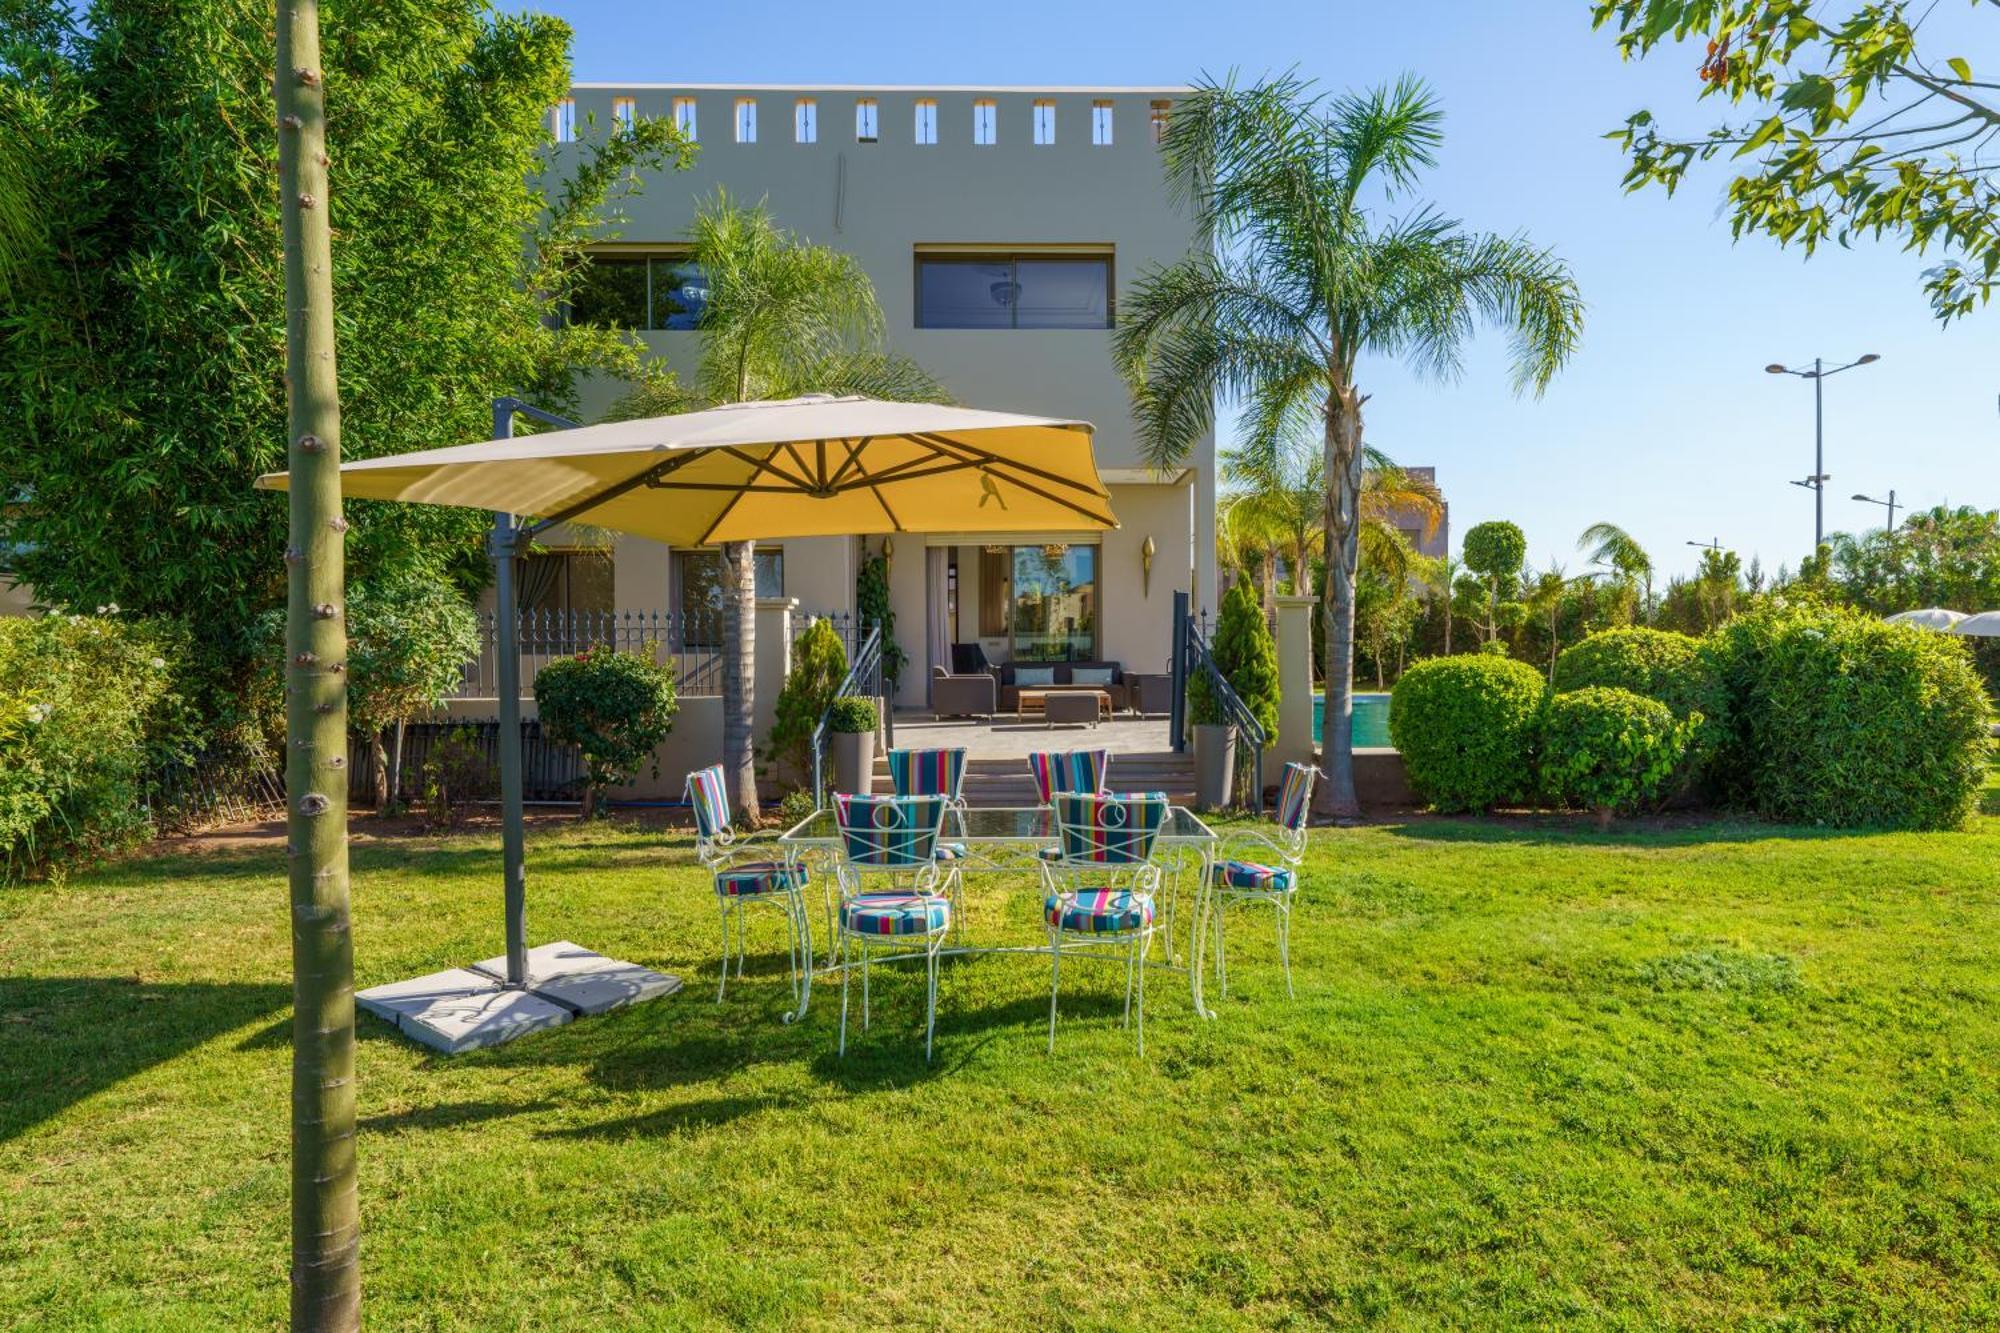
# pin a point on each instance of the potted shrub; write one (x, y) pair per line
(1214, 746)
(851, 725)
(1248, 659)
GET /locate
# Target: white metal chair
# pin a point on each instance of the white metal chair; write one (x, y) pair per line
(938, 772)
(746, 874)
(1101, 888)
(1265, 871)
(892, 838)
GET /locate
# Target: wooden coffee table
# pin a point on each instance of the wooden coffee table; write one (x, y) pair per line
(1037, 701)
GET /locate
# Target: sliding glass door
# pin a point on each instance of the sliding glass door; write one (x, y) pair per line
(1052, 614)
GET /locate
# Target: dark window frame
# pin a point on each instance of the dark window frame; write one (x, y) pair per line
(1107, 256)
(639, 254)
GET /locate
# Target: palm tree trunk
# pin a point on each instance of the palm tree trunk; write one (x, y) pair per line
(1302, 579)
(739, 677)
(1269, 577)
(326, 1219)
(1343, 550)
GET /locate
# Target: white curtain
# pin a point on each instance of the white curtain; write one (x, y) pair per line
(937, 611)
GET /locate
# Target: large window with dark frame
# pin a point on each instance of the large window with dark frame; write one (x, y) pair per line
(1024, 291)
(639, 291)
(1042, 599)
(698, 591)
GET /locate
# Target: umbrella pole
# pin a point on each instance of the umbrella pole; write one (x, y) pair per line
(508, 647)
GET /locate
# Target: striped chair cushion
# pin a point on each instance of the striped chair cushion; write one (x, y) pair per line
(709, 796)
(927, 772)
(749, 878)
(1069, 770)
(895, 914)
(1099, 911)
(1108, 830)
(1250, 875)
(889, 832)
(1294, 796)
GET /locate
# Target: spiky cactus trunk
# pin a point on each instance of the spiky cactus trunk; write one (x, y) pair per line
(326, 1220)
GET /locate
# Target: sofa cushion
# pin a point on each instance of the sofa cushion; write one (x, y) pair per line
(1034, 678)
(1093, 675)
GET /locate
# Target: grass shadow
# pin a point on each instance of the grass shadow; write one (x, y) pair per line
(447, 1116)
(1581, 831)
(63, 1039)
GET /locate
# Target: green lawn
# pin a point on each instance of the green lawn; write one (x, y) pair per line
(1534, 1075)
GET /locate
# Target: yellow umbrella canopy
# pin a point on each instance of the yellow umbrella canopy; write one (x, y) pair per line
(797, 467)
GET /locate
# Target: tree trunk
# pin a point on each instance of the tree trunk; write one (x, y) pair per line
(326, 1220)
(1269, 568)
(378, 759)
(1343, 535)
(396, 769)
(739, 677)
(1447, 617)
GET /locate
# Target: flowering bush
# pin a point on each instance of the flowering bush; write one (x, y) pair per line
(615, 707)
(88, 716)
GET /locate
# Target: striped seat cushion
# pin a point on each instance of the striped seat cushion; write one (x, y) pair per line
(1099, 911)
(748, 878)
(895, 914)
(1250, 875)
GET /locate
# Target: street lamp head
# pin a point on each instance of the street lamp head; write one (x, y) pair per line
(1866, 499)
(1775, 369)
(1867, 358)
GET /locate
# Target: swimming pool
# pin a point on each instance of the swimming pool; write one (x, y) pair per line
(1371, 719)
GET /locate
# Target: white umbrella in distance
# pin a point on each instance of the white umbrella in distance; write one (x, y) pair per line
(1931, 617)
(1985, 625)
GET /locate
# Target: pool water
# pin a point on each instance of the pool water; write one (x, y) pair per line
(1371, 719)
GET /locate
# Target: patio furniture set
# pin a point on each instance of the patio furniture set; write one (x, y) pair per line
(892, 870)
(1073, 693)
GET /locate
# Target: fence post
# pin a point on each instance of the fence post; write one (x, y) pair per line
(1177, 673)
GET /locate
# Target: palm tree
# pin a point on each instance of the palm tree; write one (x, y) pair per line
(783, 317)
(1300, 278)
(1615, 550)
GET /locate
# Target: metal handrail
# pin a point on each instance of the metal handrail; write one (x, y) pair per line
(1234, 710)
(863, 679)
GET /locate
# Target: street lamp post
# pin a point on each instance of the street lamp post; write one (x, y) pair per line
(1888, 504)
(1816, 483)
(1712, 545)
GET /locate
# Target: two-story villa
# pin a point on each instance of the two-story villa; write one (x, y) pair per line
(1000, 226)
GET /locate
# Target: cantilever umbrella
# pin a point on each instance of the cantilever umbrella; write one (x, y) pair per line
(799, 467)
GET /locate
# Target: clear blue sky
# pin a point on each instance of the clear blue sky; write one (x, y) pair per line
(1666, 423)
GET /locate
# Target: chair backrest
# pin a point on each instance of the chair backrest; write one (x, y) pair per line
(927, 772)
(1295, 796)
(1109, 830)
(888, 832)
(1069, 771)
(709, 796)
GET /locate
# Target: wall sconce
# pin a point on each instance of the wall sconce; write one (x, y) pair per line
(1146, 553)
(889, 554)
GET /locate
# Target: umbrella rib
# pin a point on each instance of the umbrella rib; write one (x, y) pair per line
(894, 522)
(848, 464)
(650, 477)
(985, 461)
(943, 442)
(765, 465)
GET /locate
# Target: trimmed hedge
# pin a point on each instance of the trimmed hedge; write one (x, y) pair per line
(615, 707)
(1835, 718)
(853, 714)
(1466, 728)
(1658, 664)
(1610, 750)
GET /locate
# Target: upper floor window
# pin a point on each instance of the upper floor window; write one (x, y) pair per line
(1025, 291)
(684, 120)
(985, 122)
(1045, 122)
(1100, 123)
(805, 121)
(624, 113)
(926, 121)
(562, 120)
(639, 291)
(1156, 119)
(746, 120)
(865, 129)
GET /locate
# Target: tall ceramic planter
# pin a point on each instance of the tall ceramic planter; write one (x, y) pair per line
(1214, 765)
(853, 762)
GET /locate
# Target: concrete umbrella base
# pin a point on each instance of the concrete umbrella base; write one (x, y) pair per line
(462, 1009)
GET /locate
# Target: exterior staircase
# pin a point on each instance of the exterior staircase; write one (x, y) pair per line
(1005, 782)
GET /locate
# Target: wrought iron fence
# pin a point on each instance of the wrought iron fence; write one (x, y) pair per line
(550, 772)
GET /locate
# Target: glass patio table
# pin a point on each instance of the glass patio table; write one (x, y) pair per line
(1009, 839)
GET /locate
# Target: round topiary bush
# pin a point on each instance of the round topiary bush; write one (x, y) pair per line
(1466, 728)
(1610, 750)
(615, 707)
(1659, 664)
(1836, 718)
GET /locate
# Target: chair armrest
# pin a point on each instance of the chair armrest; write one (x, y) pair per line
(1263, 845)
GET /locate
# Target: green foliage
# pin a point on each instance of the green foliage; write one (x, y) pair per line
(1247, 657)
(819, 664)
(795, 807)
(144, 368)
(871, 605)
(1835, 718)
(1658, 664)
(1495, 549)
(89, 718)
(1852, 131)
(1609, 749)
(853, 714)
(614, 707)
(456, 773)
(1494, 648)
(1935, 557)
(1466, 729)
